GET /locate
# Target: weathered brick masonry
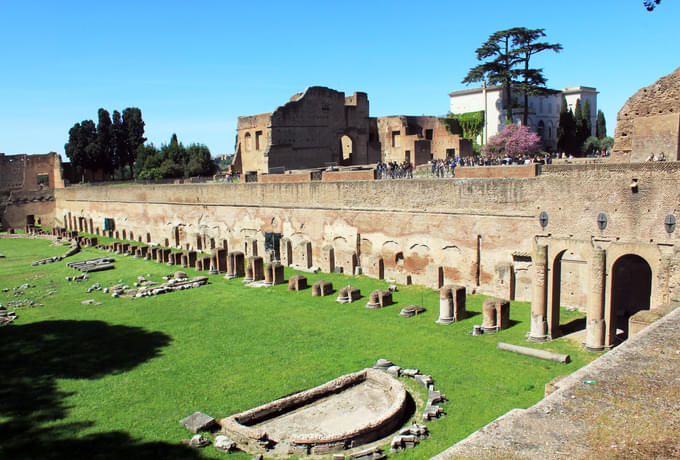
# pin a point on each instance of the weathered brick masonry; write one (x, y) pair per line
(482, 233)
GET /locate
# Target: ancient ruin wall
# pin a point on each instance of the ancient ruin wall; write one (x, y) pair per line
(476, 232)
(17, 205)
(20, 172)
(649, 122)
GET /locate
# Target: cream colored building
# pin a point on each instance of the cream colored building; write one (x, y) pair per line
(544, 111)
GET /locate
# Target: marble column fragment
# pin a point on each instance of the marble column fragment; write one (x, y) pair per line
(595, 324)
(539, 310)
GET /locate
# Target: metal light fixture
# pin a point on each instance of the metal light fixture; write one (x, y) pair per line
(669, 223)
(602, 221)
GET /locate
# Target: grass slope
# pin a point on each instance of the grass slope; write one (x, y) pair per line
(113, 380)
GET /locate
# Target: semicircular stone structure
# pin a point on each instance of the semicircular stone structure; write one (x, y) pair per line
(346, 412)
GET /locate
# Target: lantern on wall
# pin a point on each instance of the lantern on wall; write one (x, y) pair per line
(602, 221)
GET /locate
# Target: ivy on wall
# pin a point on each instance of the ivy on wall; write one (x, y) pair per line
(469, 125)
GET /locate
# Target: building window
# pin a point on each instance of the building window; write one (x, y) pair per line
(258, 140)
(396, 138)
(428, 134)
(44, 180)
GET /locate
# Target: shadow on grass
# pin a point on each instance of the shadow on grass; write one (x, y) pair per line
(572, 326)
(35, 355)
(513, 323)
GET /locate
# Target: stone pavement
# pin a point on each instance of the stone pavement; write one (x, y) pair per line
(625, 404)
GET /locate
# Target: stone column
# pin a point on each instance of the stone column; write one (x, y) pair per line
(595, 325)
(539, 310)
(445, 306)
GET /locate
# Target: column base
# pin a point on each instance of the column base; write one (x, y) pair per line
(445, 321)
(594, 349)
(538, 339)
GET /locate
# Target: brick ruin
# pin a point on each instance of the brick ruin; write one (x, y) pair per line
(26, 183)
(597, 237)
(491, 236)
(649, 122)
(322, 127)
(30, 172)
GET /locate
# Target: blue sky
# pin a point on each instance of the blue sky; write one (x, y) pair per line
(194, 67)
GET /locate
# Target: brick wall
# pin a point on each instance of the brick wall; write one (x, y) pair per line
(467, 229)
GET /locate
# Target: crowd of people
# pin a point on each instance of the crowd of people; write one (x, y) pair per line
(394, 170)
(447, 167)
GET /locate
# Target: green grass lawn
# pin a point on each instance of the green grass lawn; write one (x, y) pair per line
(113, 380)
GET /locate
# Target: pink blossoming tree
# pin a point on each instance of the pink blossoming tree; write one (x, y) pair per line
(514, 140)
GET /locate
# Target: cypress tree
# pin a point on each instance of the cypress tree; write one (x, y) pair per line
(601, 125)
(580, 132)
(587, 123)
(105, 145)
(566, 129)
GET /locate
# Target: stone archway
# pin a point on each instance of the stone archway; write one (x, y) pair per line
(569, 280)
(631, 290)
(346, 149)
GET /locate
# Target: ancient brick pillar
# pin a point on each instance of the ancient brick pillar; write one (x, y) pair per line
(539, 309)
(595, 325)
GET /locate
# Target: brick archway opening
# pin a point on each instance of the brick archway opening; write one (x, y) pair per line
(630, 292)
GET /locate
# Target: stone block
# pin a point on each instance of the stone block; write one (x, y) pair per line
(297, 283)
(220, 260)
(235, 265)
(383, 364)
(424, 380)
(348, 294)
(322, 288)
(495, 314)
(273, 274)
(224, 444)
(394, 371)
(198, 421)
(256, 267)
(412, 310)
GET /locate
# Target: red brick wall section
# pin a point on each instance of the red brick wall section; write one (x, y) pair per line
(493, 172)
(332, 176)
(272, 178)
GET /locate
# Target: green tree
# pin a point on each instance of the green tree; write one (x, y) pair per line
(81, 147)
(175, 151)
(200, 162)
(587, 122)
(133, 127)
(147, 159)
(600, 125)
(581, 126)
(566, 129)
(75, 147)
(606, 143)
(499, 68)
(120, 150)
(591, 145)
(508, 55)
(105, 155)
(169, 170)
(532, 80)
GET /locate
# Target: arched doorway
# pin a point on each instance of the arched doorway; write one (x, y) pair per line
(569, 279)
(346, 149)
(630, 292)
